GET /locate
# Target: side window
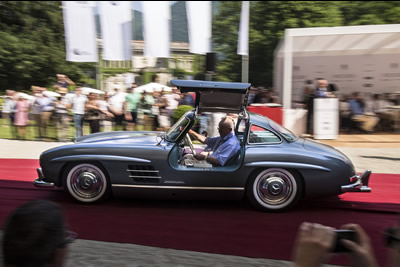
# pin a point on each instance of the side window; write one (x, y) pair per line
(259, 135)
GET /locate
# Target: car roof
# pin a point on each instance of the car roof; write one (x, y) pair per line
(216, 96)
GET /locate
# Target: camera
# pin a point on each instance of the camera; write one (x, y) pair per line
(343, 234)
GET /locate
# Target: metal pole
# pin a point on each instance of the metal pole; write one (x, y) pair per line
(98, 78)
(245, 68)
(287, 70)
(208, 76)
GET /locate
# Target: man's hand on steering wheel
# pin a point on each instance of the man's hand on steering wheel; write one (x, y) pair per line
(190, 144)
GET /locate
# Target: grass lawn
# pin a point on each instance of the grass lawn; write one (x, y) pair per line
(31, 131)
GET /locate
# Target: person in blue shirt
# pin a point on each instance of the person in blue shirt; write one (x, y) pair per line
(368, 121)
(223, 147)
(322, 90)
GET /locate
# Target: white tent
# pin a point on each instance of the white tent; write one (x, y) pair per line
(151, 87)
(355, 58)
(372, 47)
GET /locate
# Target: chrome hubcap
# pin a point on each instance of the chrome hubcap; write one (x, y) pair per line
(274, 188)
(87, 182)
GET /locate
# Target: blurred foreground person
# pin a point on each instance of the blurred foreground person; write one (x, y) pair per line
(314, 243)
(34, 235)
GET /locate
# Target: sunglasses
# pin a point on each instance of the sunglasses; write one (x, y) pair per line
(389, 237)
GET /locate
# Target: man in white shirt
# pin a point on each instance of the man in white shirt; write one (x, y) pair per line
(117, 107)
(78, 108)
(172, 100)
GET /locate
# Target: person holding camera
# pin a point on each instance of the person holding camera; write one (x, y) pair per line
(61, 115)
(63, 81)
(314, 242)
(92, 113)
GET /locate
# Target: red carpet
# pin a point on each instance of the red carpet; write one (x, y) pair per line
(232, 228)
(18, 169)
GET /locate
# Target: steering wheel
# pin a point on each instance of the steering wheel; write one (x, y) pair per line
(189, 143)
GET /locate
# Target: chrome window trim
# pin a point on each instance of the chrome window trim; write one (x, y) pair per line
(248, 136)
(142, 170)
(183, 130)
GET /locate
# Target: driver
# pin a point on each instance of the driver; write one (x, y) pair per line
(223, 147)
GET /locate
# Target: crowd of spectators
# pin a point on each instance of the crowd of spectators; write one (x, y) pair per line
(134, 110)
(101, 111)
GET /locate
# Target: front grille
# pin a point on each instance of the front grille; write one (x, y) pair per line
(143, 174)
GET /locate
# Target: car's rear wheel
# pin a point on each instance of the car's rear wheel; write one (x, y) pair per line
(87, 182)
(274, 189)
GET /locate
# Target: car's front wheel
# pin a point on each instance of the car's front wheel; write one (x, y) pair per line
(87, 182)
(274, 189)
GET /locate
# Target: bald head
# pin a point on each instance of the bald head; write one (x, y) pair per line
(322, 83)
(225, 126)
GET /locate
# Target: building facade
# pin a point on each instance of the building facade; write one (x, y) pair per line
(142, 70)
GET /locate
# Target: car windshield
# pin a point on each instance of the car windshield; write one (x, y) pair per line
(288, 135)
(177, 129)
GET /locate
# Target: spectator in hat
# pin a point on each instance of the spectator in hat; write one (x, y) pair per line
(21, 119)
(9, 109)
(107, 117)
(43, 105)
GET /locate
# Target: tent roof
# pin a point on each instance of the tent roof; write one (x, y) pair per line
(347, 40)
(334, 41)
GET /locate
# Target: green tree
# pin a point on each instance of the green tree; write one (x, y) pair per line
(268, 20)
(32, 45)
(370, 12)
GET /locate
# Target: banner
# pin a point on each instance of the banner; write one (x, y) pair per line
(199, 26)
(80, 31)
(116, 29)
(243, 41)
(156, 15)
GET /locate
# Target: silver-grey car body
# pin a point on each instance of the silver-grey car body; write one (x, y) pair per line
(274, 168)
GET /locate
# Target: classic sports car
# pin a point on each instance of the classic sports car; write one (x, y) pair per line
(274, 168)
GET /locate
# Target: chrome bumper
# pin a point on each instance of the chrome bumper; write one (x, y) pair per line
(39, 182)
(360, 185)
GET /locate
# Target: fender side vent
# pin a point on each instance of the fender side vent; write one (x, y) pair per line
(143, 174)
